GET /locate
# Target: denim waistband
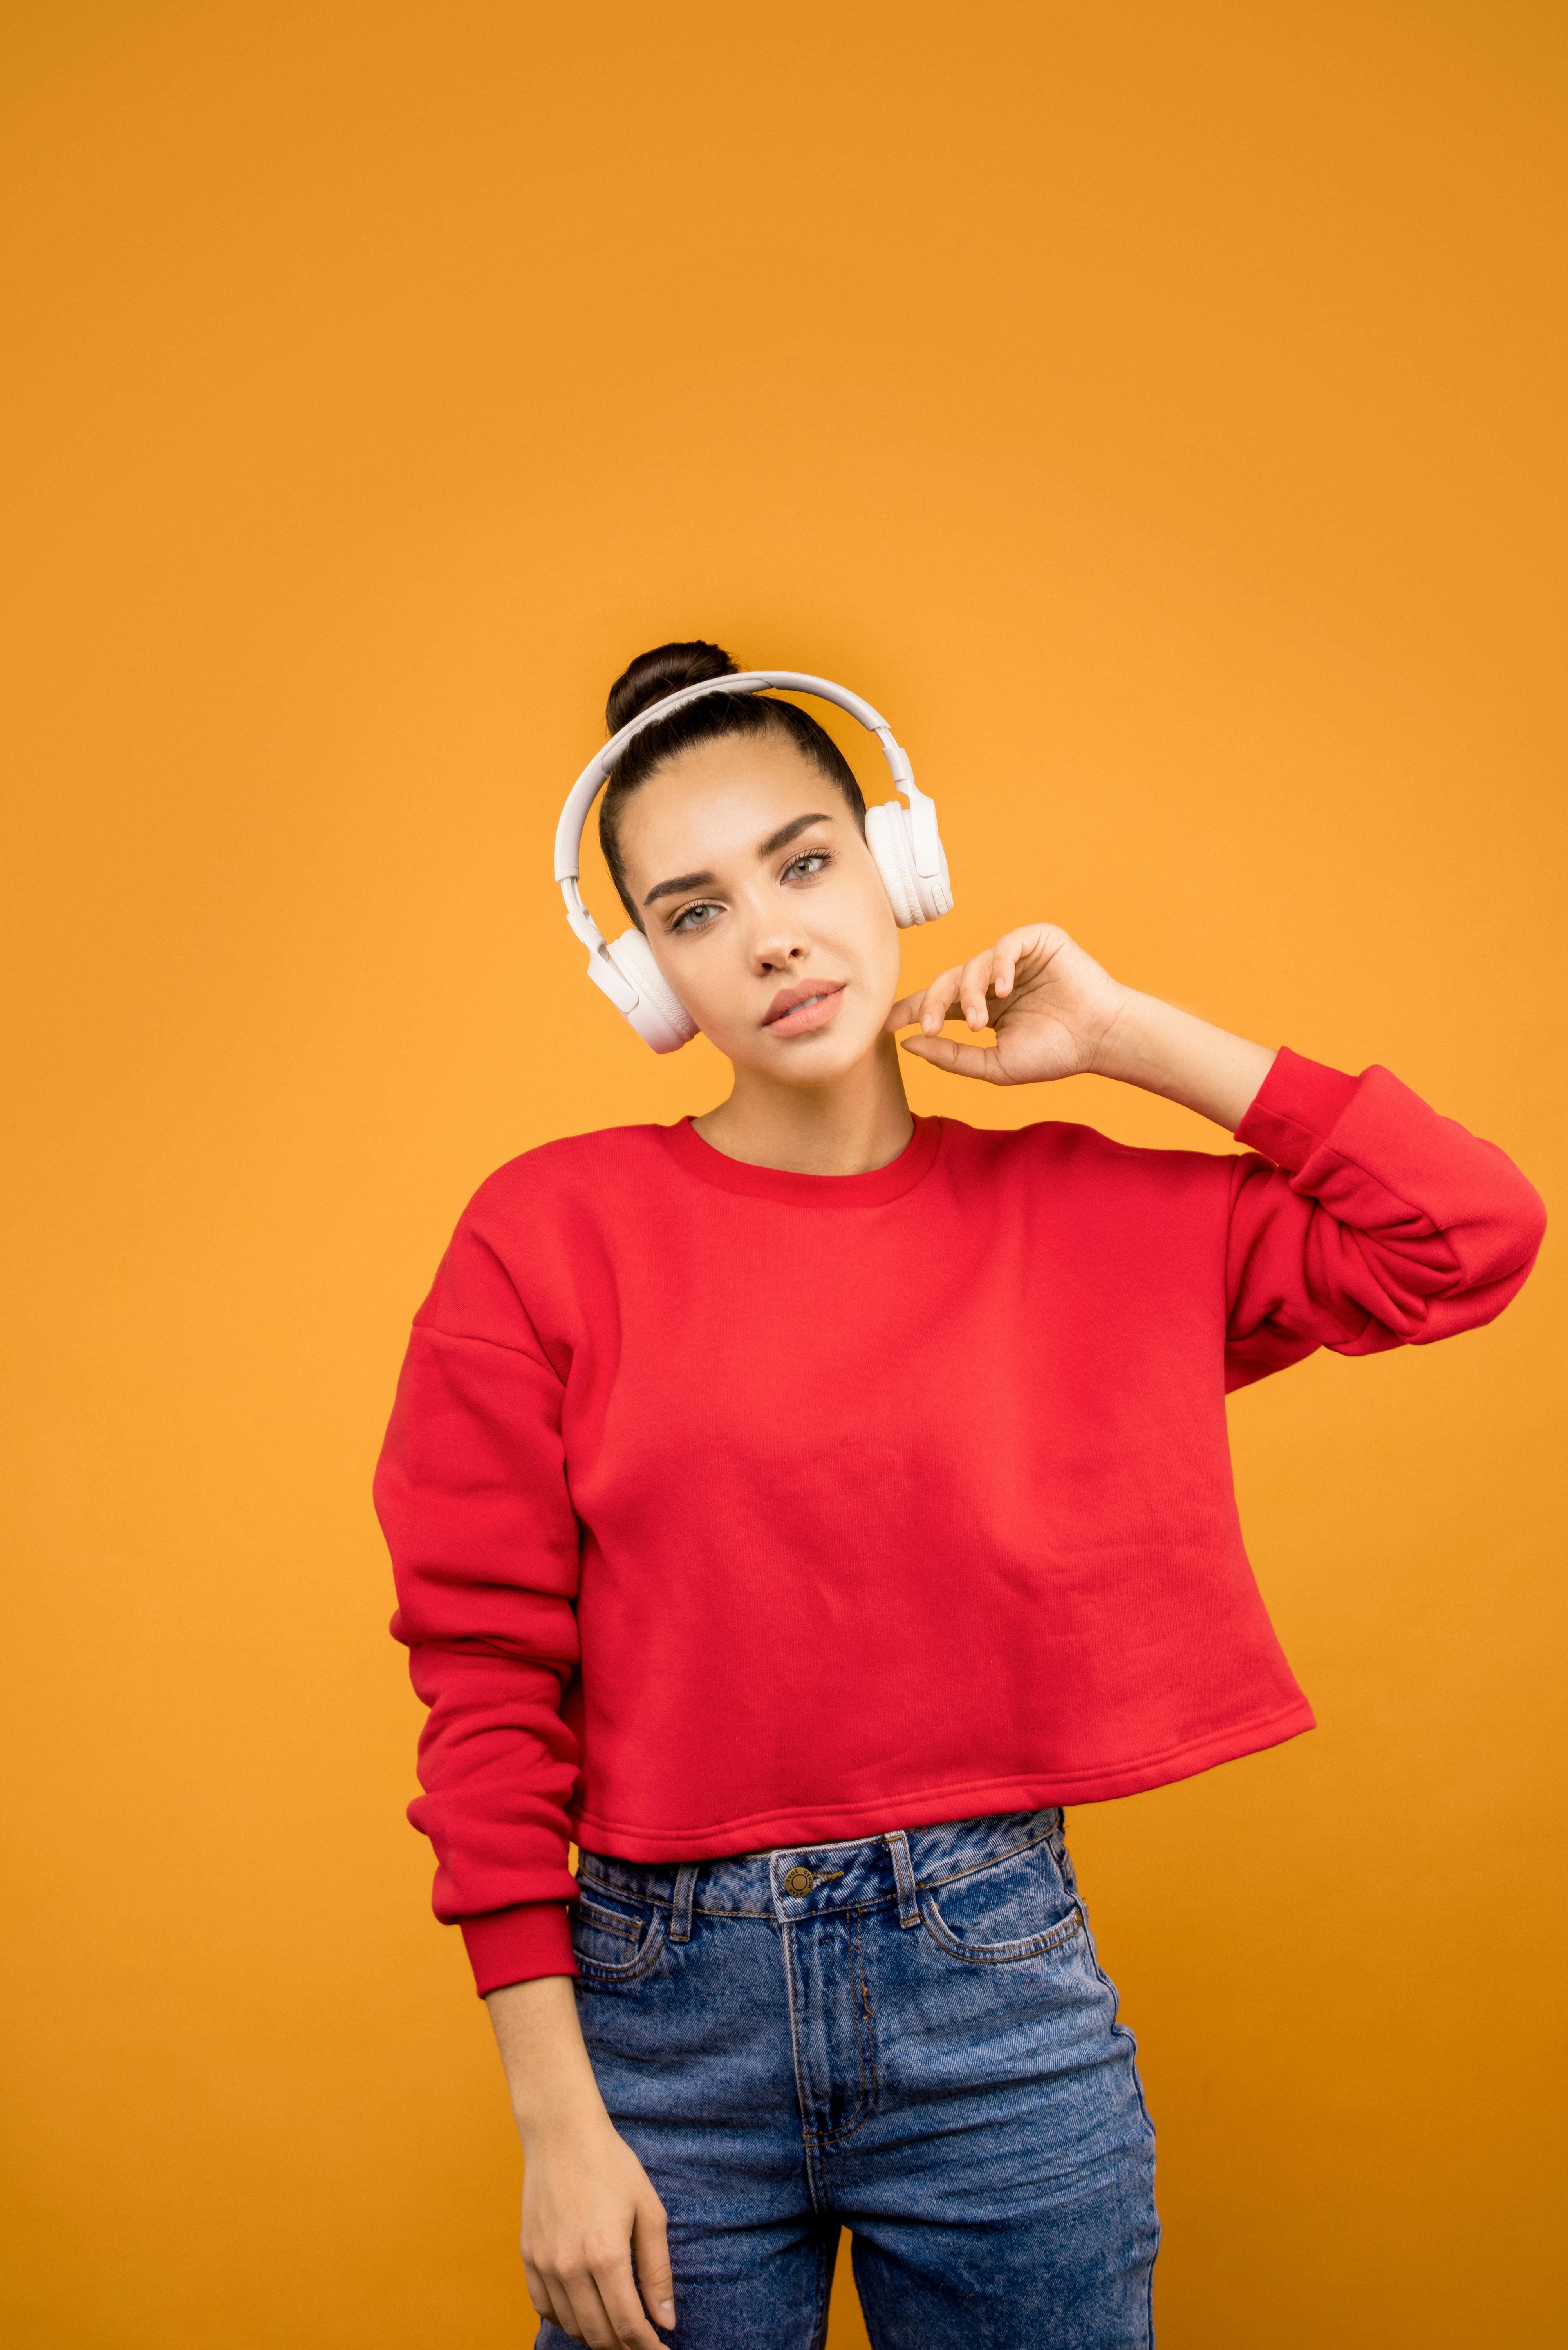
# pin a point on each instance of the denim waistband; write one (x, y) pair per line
(796, 1880)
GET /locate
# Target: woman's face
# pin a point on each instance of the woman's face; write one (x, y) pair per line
(762, 905)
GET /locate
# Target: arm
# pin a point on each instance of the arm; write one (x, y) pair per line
(585, 2197)
(472, 1493)
(1361, 1221)
(1057, 1015)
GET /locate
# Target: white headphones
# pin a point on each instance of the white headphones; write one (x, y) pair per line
(904, 843)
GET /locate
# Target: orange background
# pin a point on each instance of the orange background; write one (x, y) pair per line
(1157, 410)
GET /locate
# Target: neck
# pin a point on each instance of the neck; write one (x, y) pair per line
(851, 1127)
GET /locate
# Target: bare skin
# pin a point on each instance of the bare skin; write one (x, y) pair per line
(595, 2251)
(1057, 1015)
(777, 895)
(764, 919)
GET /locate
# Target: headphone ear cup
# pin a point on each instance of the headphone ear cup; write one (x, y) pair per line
(890, 836)
(659, 1016)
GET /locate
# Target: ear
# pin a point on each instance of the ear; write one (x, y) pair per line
(657, 1014)
(914, 898)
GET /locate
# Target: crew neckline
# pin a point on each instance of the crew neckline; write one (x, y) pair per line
(873, 1189)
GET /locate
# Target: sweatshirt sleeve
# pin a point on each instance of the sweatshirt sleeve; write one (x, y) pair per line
(1361, 1220)
(471, 1489)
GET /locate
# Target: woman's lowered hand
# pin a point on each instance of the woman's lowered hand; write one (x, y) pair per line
(596, 2250)
(595, 2247)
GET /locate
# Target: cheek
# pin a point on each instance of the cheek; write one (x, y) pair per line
(857, 931)
(707, 981)
(875, 939)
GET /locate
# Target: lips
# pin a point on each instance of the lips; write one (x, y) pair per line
(811, 1004)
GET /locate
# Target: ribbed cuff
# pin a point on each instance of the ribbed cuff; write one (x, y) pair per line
(508, 1946)
(1296, 1108)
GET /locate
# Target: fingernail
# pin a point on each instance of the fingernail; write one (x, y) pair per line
(667, 2312)
(976, 1019)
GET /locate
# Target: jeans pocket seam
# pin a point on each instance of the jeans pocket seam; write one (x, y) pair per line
(995, 1954)
(641, 1963)
(608, 1921)
(992, 1860)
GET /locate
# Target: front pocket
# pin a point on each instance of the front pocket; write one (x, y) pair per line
(1020, 1907)
(615, 1939)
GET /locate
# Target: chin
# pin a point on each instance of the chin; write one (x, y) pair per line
(821, 1069)
(829, 1057)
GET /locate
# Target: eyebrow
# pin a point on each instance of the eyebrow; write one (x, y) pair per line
(775, 841)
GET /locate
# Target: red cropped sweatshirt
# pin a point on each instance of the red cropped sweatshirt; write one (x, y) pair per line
(731, 1508)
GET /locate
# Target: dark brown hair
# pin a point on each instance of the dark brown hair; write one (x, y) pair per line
(648, 679)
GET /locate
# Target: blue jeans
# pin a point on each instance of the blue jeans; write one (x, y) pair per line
(909, 2036)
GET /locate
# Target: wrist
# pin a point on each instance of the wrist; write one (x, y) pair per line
(575, 2112)
(1125, 1049)
(549, 2080)
(1171, 1052)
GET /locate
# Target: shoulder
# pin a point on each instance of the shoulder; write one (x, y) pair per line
(529, 1219)
(571, 1169)
(1061, 1151)
(551, 1196)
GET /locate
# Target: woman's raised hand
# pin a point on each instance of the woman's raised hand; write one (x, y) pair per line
(1050, 1005)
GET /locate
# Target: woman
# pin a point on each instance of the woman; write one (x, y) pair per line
(800, 1506)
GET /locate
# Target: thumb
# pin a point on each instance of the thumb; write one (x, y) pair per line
(650, 2258)
(959, 1060)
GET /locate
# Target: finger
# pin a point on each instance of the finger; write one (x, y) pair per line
(588, 2321)
(972, 987)
(983, 1061)
(651, 2251)
(539, 2294)
(939, 995)
(939, 999)
(617, 2291)
(1005, 956)
(908, 1010)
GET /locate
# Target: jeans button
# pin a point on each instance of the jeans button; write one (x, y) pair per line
(798, 1881)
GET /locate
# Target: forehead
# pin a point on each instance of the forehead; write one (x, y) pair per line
(717, 801)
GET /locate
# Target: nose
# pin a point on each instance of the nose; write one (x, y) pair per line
(777, 942)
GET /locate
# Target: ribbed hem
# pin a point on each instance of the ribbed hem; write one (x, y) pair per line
(1097, 1783)
(508, 1946)
(1297, 1107)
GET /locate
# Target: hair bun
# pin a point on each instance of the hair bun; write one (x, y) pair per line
(651, 676)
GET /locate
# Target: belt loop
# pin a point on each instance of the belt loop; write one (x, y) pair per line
(904, 1877)
(680, 1906)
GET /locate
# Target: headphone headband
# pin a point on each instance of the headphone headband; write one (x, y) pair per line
(903, 843)
(597, 773)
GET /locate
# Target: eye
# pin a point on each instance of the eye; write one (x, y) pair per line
(693, 917)
(810, 863)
